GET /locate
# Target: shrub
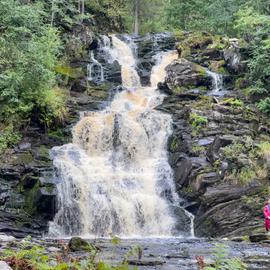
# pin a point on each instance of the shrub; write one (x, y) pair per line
(198, 121)
(264, 150)
(8, 138)
(233, 102)
(232, 152)
(222, 260)
(264, 105)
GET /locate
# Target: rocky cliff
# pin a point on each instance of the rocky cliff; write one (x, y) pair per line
(220, 142)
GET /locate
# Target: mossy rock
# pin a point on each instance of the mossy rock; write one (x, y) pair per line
(79, 244)
(70, 72)
(24, 159)
(218, 66)
(192, 42)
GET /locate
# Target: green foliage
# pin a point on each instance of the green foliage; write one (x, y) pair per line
(245, 175)
(111, 14)
(264, 105)
(233, 102)
(197, 121)
(232, 152)
(223, 262)
(36, 257)
(28, 53)
(8, 138)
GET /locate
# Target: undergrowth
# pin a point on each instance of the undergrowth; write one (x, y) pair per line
(35, 257)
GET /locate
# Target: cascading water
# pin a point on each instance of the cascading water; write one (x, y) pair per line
(217, 81)
(115, 177)
(95, 71)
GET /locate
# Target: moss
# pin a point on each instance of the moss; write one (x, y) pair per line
(100, 91)
(192, 42)
(241, 83)
(201, 70)
(189, 190)
(30, 205)
(44, 152)
(58, 134)
(25, 158)
(233, 102)
(179, 90)
(68, 71)
(204, 102)
(174, 145)
(197, 149)
(218, 66)
(218, 43)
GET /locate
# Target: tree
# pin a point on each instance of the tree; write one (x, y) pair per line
(28, 53)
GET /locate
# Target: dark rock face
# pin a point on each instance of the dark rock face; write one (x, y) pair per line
(202, 173)
(209, 155)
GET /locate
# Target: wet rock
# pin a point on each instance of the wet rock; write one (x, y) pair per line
(213, 152)
(237, 239)
(259, 237)
(53, 249)
(6, 238)
(183, 73)
(24, 146)
(182, 172)
(4, 266)
(146, 262)
(78, 244)
(45, 200)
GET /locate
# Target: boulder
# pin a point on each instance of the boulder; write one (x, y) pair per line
(183, 73)
(78, 244)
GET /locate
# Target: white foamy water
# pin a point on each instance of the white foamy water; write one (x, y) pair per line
(114, 178)
(217, 81)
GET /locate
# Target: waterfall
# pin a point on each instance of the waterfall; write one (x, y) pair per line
(114, 178)
(95, 71)
(217, 81)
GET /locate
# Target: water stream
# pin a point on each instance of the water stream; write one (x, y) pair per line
(217, 81)
(114, 178)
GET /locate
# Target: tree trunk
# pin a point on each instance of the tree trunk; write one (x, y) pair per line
(136, 15)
